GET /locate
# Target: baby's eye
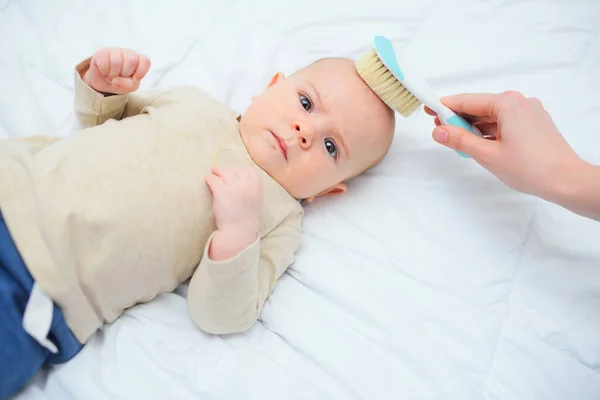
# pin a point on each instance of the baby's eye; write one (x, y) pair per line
(306, 103)
(331, 147)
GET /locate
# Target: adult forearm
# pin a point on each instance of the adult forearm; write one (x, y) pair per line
(580, 190)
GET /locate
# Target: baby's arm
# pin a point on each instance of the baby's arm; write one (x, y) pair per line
(238, 271)
(106, 84)
(227, 296)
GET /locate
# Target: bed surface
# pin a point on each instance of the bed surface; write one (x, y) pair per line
(429, 280)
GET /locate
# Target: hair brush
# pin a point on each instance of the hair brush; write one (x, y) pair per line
(390, 75)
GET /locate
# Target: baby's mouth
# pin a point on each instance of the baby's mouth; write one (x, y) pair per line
(281, 144)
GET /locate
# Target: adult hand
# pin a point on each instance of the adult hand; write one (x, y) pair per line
(526, 151)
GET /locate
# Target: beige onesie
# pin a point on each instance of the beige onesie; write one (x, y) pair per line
(120, 212)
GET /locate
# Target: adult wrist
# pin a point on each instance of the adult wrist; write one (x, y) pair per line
(577, 185)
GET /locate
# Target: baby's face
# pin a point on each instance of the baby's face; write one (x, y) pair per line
(317, 128)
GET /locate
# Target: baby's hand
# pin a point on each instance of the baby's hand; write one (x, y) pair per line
(237, 200)
(116, 71)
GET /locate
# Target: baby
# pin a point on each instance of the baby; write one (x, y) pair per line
(165, 185)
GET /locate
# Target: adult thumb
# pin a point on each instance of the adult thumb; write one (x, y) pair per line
(462, 140)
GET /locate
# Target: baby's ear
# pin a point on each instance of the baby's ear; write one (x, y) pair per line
(338, 188)
(276, 78)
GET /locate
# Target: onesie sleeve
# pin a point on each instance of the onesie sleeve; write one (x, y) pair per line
(227, 296)
(93, 108)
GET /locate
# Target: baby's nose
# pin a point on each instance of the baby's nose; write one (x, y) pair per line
(305, 134)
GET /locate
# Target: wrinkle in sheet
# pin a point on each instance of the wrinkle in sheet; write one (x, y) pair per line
(342, 385)
(508, 315)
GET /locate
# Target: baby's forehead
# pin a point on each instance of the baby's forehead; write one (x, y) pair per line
(329, 68)
(339, 84)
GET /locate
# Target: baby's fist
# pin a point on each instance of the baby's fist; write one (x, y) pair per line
(237, 199)
(116, 71)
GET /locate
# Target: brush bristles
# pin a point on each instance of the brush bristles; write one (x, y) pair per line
(385, 85)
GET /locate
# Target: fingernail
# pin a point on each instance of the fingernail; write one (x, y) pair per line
(440, 135)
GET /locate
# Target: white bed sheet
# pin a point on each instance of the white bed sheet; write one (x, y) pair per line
(429, 280)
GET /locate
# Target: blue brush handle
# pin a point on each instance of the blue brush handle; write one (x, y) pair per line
(419, 88)
(457, 120)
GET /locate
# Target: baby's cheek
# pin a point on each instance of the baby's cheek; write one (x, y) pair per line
(320, 176)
